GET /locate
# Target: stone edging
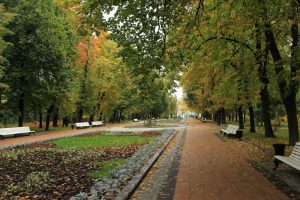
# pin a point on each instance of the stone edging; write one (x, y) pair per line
(136, 180)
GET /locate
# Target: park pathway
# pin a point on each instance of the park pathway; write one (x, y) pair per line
(211, 169)
(52, 134)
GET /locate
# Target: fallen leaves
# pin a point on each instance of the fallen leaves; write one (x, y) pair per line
(43, 171)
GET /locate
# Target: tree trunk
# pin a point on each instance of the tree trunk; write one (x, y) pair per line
(223, 115)
(48, 117)
(65, 122)
(291, 112)
(121, 117)
(40, 118)
(92, 116)
(264, 93)
(80, 115)
(21, 109)
(236, 114)
(100, 116)
(219, 117)
(241, 119)
(252, 122)
(114, 116)
(288, 88)
(55, 118)
(266, 116)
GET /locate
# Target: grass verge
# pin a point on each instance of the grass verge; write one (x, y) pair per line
(106, 167)
(100, 141)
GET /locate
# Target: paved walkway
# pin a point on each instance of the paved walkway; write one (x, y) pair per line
(213, 169)
(47, 135)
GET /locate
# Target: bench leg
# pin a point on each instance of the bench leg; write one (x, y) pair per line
(276, 162)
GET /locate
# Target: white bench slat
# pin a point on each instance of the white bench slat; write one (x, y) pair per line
(82, 125)
(295, 157)
(290, 161)
(15, 131)
(296, 151)
(97, 123)
(231, 129)
(295, 154)
(297, 148)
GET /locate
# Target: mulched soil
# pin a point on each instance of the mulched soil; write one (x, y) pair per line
(41, 171)
(150, 134)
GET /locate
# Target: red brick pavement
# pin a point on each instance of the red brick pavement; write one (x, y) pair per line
(213, 169)
(47, 135)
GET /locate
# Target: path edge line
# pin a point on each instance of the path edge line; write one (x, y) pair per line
(129, 189)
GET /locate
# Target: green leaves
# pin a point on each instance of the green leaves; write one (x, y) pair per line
(5, 18)
(42, 53)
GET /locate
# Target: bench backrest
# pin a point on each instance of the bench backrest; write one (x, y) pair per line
(15, 130)
(232, 128)
(82, 124)
(97, 123)
(296, 152)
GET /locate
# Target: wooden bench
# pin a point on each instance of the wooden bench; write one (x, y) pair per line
(98, 123)
(293, 160)
(16, 131)
(82, 125)
(232, 130)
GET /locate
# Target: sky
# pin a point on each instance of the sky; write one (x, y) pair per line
(179, 93)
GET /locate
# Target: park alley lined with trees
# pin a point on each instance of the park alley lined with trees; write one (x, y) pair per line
(68, 60)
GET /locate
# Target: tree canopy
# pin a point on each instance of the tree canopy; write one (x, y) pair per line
(113, 60)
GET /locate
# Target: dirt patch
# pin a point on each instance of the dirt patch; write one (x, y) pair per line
(150, 134)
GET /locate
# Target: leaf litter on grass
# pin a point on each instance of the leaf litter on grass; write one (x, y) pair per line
(46, 171)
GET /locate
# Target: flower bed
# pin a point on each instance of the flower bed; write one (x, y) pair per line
(109, 187)
(46, 171)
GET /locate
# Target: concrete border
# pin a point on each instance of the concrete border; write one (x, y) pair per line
(128, 190)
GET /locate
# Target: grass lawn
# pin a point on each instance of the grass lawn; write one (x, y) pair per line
(281, 136)
(100, 141)
(259, 139)
(106, 167)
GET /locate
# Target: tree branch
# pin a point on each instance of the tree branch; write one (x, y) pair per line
(226, 39)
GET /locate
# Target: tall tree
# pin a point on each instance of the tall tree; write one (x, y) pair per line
(5, 18)
(288, 85)
(41, 58)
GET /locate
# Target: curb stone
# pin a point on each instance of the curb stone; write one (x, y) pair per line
(136, 180)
